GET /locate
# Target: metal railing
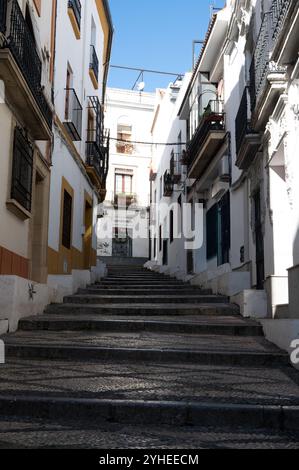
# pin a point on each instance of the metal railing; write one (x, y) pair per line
(22, 45)
(279, 12)
(213, 119)
(75, 5)
(271, 27)
(168, 184)
(73, 114)
(260, 63)
(98, 140)
(94, 62)
(243, 121)
(3, 8)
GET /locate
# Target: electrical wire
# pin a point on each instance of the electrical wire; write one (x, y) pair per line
(148, 143)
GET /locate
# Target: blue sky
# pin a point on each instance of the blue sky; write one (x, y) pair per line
(156, 34)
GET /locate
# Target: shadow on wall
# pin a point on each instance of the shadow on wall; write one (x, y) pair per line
(296, 249)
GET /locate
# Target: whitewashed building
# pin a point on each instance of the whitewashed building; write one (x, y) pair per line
(81, 143)
(241, 116)
(26, 108)
(54, 60)
(123, 224)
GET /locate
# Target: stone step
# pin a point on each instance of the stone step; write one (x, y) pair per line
(141, 291)
(143, 309)
(151, 381)
(175, 348)
(143, 298)
(138, 412)
(128, 283)
(150, 287)
(232, 326)
(138, 280)
(75, 433)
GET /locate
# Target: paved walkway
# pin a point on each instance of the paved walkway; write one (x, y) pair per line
(176, 368)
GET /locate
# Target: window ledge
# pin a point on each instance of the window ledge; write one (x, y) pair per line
(18, 210)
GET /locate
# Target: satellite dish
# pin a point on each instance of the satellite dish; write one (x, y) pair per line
(141, 86)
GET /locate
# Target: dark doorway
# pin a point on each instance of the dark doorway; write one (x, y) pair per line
(259, 242)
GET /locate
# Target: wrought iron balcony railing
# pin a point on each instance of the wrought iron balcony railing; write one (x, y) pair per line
(19, 40)
(73, 114)
(279, 12)
(75, 5)
(168, 184)
(3, 8)
(213, 119)
(94, 62)
(243, 120)
(98, 140)
(260, 63)
(97, 156)
(124, 199)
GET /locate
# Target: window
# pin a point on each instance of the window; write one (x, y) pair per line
(68, 86)
(67, 220)
(123, 183)
(22, 171)
(212, 232)
(124, 139)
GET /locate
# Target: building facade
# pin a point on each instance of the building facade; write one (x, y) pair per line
(26, 109)
(240, 112)
(54, 60)
(81, 142)
(123, 224)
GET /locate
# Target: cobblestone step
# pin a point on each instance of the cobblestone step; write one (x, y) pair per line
(220, 326)
(159, 290)
(162, 413)
(174, 348)
(143, 309)
(37, 433)
(139, 299)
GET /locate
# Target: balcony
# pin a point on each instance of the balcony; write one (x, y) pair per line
(207, 139)
(21, 70)
(74, 12)
(97, 147)
(124, 200)
(73, 115)
(267, 78)
(247, 140)
(176, 167)
(285, 19)
(94, 67)
(168, 184)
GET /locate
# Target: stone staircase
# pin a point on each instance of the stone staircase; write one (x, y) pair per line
(142, 348)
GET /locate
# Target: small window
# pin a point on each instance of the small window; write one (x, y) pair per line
(67, 220)
(160, 238)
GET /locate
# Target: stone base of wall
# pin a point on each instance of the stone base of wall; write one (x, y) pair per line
(17, 300)
(252, 303)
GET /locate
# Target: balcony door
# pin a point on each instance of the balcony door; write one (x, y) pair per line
(259, 242)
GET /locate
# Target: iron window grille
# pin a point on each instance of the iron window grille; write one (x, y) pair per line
(75, 5)
(94, 62)
(22, 170)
